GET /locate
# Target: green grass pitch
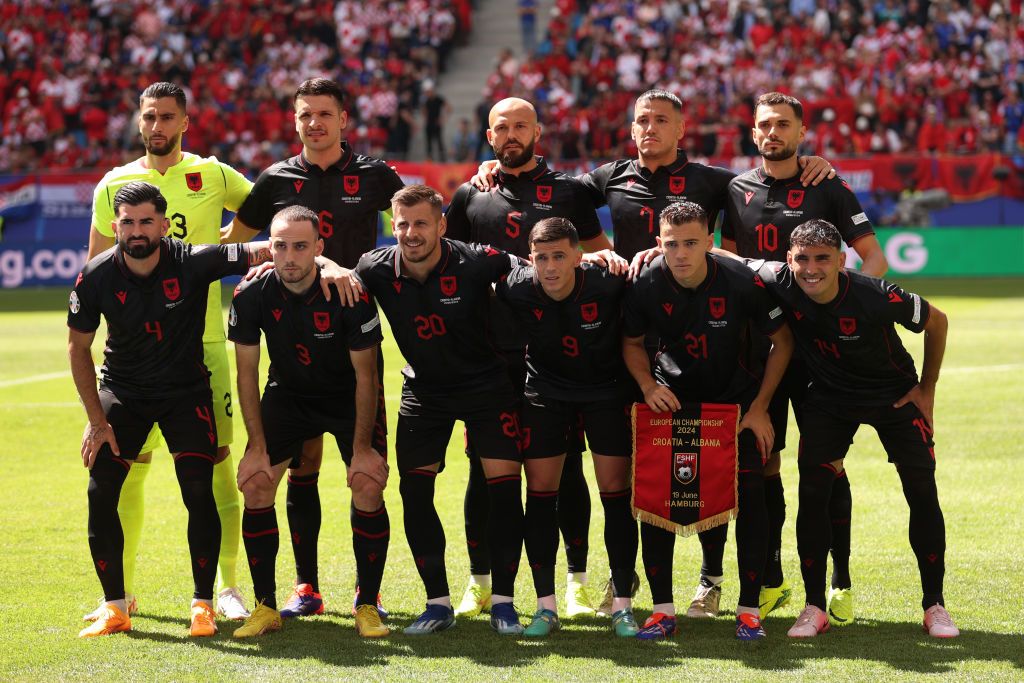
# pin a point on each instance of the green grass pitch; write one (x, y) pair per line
(48, 580)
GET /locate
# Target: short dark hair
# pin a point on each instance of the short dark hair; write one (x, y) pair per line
(771, 99)
(554, 229)
(138, 192)
(664, 96)
(321, 86)
(163, 89)
(815, 233)
(411, 195)
(681, 213)
(297, 213)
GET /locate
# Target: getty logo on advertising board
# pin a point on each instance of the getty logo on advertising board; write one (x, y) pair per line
(31, 266)
(906, 253)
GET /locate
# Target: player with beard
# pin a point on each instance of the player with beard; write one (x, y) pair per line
(153, 293)
(322, 378)
(435, 293)
(636, 191)
(527, 192)
(764, 206)
(198, 190)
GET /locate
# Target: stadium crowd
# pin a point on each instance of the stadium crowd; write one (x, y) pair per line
(877, 77)
(70, 73)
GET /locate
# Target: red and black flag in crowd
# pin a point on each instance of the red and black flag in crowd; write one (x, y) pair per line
(685, 466)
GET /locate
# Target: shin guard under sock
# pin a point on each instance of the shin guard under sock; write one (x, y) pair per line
(658, 545)
(195, 478)
(506, 525)
(262, 541)
(621, 539)
(423, 530)
(574, 513)
(813, 528)
(840, 508)
(476, 510)
(371, 534)
(106, 539)
(775, 502)
(303, 505)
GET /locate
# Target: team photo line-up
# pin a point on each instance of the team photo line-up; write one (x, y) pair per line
(517, 316)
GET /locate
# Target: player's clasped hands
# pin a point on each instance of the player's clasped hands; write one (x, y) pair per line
(93, 439)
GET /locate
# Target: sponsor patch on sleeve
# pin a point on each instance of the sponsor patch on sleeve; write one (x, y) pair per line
(74, 304)
(366, 327)
(232, 316)
(232, 252)
(775, 313)
(917, 309)
(859, 218)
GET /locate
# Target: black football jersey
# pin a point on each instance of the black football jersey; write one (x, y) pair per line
(154, 346)
(308, 337)
(347, 196)
(574, 350)
(705, 351)
(850, 345)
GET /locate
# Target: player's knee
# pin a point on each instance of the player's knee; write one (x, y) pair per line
(258, 491)
(366, 493)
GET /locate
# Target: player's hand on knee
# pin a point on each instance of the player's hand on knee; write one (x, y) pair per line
(923, 397)
(346, 281)
(256, 271)
(485, 175)
(94, 438)
(758, 422)
(641, 259)
(368, 463)
(660, 399)
(814, 170)
(254, 462)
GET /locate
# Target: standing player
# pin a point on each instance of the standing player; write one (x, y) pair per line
(702, 308)
(346, 190)
(636, 191)
(323, 378)
(435, 293)
(571, 314)
(527, 192)
(153, 294)
(860, 373)
(198, 191)
(764, 206)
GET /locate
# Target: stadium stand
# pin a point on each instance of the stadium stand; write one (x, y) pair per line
(880, 77)
(70, 73)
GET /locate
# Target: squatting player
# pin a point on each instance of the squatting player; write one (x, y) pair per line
(346, 190)
(703, 310)
(323, 378)
(527, 191)
(152, 291)
(764, 206)
(571, 315)
(843, 323)
(198, 190)
(435, 293)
